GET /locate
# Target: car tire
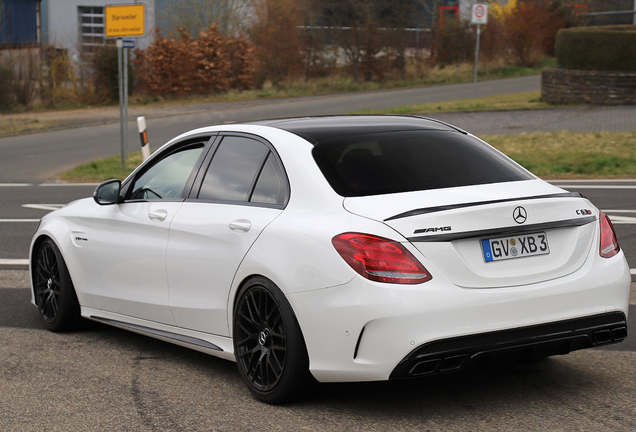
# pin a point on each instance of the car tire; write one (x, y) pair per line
(53, 289)
(268, 344)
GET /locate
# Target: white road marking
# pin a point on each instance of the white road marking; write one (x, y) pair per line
(14, 261)
(619, 211)
(632, 271)
(48, 207)
(15, 184)
(69, 184)
(622, 219)
(20, 220)
(593, 181)
(583, 186)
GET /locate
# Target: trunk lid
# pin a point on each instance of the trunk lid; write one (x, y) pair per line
(532, 230)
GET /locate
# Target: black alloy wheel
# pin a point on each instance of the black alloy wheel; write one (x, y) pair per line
(268, 344)
(54, 292)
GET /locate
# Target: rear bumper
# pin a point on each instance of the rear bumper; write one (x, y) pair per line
(368, 331)
(510, 346)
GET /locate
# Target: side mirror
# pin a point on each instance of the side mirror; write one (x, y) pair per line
(107, 193)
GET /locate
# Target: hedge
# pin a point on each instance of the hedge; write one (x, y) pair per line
(606, 48)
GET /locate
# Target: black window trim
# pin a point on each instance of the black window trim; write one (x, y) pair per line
(206, 139)
(202, 170)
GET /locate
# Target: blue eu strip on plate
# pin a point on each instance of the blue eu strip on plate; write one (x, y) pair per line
(485, 245)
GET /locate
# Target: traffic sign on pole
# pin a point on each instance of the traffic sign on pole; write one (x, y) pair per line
(120, 21)
(125, 20)
(479, 14)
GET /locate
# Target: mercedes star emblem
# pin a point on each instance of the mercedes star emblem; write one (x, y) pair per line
(519, 215)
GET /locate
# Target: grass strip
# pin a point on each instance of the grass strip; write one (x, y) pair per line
(517, 101)
(337, 82)
(102, 170)
(549, 155)
(17, 126)
(571, 155)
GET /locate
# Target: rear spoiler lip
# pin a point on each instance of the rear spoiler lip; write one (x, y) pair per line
(428, 210)
(489, 233)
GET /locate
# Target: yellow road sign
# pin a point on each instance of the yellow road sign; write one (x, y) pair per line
(125, 20)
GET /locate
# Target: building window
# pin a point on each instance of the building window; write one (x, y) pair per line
(91, 27)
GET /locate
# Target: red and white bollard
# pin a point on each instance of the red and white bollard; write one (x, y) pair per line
(145, 148)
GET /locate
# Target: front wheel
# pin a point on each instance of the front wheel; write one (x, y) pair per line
(268, 344)
(54, 292)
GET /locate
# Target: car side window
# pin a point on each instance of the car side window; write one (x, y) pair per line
(167, 178)
(270, 187)
(233, 169)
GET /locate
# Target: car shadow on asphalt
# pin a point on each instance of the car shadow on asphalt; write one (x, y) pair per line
(537, 381)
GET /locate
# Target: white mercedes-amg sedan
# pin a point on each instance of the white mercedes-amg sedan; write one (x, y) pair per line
(349, 248)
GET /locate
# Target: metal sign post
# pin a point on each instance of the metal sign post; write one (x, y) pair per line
(476, 60)
(479, 16)
(124, 21)
(122, 122)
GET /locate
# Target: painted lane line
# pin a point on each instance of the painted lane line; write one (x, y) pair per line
(632, 271)
(14, 261)
(619, 211)
(594, 181)
(15, 184)
(622, 219)
(47, 207)
(20, 220)
(571, 186)
(70, 184)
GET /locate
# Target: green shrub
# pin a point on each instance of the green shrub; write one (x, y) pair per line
(608, 48)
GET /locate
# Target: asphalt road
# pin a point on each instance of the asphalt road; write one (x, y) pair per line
(36, 158)
(104, 379)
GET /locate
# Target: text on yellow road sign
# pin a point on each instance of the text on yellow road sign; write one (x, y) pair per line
(125, 20)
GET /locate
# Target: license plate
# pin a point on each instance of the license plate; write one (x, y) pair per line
(518, 246)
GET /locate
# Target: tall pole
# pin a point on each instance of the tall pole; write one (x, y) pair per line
(476, 59)
(120, 45)
(125, 55)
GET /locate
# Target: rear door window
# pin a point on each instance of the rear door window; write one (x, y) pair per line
(244, 170)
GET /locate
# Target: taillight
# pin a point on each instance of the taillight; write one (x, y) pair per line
(380, 259)
(609, 242)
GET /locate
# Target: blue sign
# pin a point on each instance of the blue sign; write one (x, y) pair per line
(128, 43)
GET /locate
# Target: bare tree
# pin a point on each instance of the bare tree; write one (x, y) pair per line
(354, 26)
(370, 33)
(195, 16)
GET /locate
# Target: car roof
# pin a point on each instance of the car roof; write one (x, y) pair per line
(321, 129)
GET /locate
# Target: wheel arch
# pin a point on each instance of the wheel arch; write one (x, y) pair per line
(36, 243)
(236, 294)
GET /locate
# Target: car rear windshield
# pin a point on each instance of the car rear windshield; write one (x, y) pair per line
(394, 162)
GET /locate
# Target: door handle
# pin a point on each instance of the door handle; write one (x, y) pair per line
(240, 225)
(158, 215)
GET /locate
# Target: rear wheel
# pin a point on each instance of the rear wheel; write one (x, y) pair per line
(268, 344)
(54, 292)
